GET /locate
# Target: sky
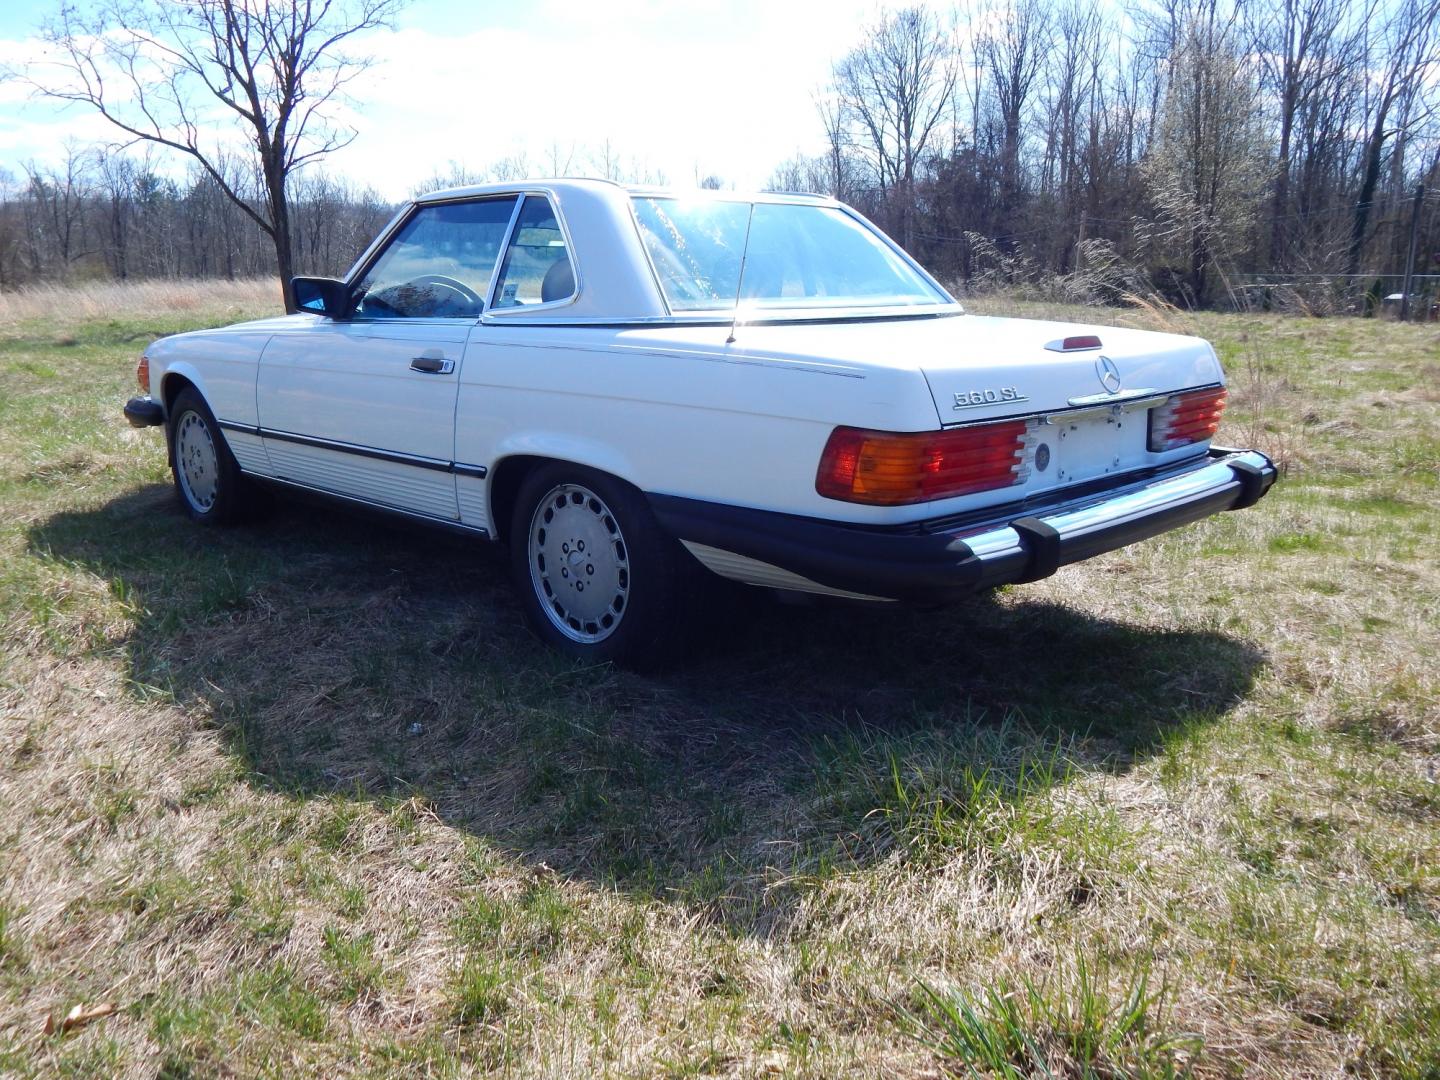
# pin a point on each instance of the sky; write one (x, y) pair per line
(685, 88)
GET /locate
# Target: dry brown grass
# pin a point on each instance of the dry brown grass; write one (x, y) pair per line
(1214, 757)
(66, 304)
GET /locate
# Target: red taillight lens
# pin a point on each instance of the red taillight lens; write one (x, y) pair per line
(142, 373)
(1186, 418)
(887, 469)
(1075, 343)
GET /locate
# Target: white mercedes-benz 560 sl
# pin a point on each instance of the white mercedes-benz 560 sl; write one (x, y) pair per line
(627, 385)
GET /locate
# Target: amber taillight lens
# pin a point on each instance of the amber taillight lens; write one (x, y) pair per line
(142, 373)
(890, 469)
(1186, 418)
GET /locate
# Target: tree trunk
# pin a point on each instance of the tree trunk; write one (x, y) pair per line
(1281, 199)
(280, 229)
(1374, 150)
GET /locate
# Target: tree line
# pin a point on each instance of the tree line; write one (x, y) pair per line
(104, 213)
(1218, 151)
(1216, 148)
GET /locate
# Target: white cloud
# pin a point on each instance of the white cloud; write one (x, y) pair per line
(711, 86)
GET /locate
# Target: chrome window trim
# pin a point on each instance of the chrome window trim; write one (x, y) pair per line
(772, 317)
(372, 254)
(519, 198)
(649, 259)
(411, 320)
(492, 315)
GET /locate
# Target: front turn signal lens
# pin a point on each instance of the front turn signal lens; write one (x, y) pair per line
(891, 469)
(142, 373)
(1186, 418)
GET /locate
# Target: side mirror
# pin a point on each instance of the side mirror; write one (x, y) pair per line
(321, 296)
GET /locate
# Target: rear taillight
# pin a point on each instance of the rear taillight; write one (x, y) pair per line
(1186, 418)
(142, 373)
(888, 469)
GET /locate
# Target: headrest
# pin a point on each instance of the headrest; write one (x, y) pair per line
(559, 281)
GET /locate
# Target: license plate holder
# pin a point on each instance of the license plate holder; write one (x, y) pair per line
(1091, 446)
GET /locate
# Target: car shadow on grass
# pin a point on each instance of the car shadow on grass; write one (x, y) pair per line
(343, 657)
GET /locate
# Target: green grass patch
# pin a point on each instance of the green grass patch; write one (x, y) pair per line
(1290, 543)
(480, 990)
(352, 959)
(1073, 1023)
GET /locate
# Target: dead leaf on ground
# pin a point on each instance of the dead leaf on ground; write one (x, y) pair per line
(79, 1016)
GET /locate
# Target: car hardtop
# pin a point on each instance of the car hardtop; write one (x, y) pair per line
(562, 185)
(617, 281)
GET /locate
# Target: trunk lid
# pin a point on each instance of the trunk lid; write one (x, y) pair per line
(1008, 367)
(1088, 409)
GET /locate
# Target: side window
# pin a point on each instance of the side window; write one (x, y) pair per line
(440, 263)
(537, 266)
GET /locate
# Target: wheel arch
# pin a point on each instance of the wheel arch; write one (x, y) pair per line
(172, 385)
(176, 378)
(508, 474)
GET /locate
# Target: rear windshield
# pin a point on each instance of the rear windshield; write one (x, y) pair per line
(797, 256)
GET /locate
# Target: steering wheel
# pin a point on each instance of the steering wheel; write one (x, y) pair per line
(470, 295)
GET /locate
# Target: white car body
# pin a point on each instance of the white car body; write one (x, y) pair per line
(719, 410)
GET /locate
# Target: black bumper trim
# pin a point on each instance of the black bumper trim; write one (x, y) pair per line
(1042, 543)
(459, 468)
(1253, 483)
(901, 563)
(872, 562)
(144, 412)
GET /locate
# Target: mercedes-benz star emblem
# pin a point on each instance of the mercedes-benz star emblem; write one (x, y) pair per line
(1109, 374)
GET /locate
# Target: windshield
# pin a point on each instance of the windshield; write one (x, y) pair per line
(798, 256)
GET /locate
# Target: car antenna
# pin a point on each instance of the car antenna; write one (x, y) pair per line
(740, 281)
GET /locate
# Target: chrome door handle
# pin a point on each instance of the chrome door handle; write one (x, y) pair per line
(432, 365)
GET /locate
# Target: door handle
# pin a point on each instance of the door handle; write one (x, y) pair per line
(432, 365)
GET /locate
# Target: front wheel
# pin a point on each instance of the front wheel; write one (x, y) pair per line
(598, 578)
(207, 478)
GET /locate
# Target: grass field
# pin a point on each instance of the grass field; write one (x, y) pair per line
(305, 799)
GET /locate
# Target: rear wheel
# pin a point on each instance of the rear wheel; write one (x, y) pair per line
(598, 578)
(208, 480)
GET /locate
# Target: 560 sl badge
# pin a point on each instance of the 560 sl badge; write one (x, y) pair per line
(975, 398)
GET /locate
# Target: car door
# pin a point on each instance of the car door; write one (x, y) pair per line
(364, 406)
(537, 277)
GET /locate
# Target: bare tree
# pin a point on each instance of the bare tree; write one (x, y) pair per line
(155, 69)
(1070, 104)
(61, 196)
(896, 88)
(558, 161)
(1309, 50)
(839, 161)
(1409, 49)
(1014, 53)
(1204, 171)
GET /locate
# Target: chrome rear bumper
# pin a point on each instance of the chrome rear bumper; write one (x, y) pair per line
(946, 558)
(1033, 546)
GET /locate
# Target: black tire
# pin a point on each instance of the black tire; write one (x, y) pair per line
(641, 585)
(208, 482)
